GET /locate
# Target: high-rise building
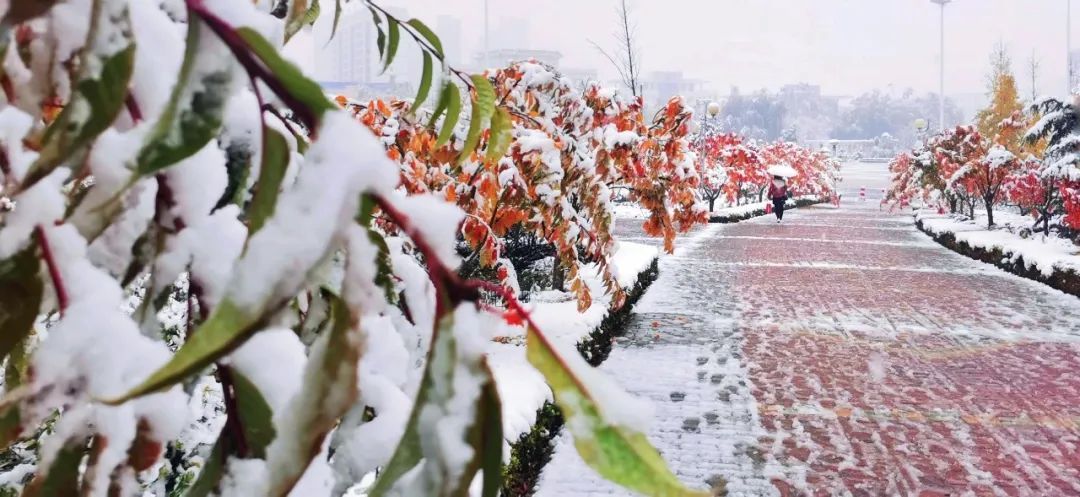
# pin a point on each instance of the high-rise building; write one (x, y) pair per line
(352, 55)
(351, 64)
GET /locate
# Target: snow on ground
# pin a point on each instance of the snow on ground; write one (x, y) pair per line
(521, 387)
(1044, 253)
(841, 353)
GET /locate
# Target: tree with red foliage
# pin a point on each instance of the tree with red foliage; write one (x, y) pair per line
(1033, 193)
(720, 158)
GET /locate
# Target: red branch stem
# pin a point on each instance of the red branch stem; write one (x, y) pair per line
(254, 67)
(133, 108)
(54, 270)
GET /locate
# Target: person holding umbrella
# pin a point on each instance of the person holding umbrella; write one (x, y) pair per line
(778, 189)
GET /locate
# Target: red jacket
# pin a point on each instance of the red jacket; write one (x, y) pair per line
(777, 192)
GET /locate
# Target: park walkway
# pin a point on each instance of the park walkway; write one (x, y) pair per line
(844, 353)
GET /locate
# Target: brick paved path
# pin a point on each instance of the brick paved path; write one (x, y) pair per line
(843, 353)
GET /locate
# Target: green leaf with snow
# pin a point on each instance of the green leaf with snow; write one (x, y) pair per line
(18, 363)
(617, 452)
(428, 35)
(487, 436)
(330, 389)
(256, 422)
(439, 365)
(384, 276)
(61, 479)
(452, 99)
(10, 424)
(425, 83)
(446, 363)
(193, 115)
(256, 417)
(392, 42)
(212, 471)
(501, 136)
(300, 14)
(337, 19)
(226, 328)
(275, 161)
(21, 292)
(380, 40)
(482, 110)
(95, 102)
(293, 83)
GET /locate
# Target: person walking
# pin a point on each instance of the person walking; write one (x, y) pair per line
(778, 192)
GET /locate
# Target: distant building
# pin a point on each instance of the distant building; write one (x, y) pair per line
(350, 64)
(503, 56)
(581, 76)
(351, 56)
(659, 86)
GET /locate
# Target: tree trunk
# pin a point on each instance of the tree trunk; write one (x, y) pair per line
(558, 279)
(989, 212)
(712, 203)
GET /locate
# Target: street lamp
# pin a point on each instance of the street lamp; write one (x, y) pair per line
(713, 109)
(941, 88)
(1068, 47)
(920, 129)
(834, 142)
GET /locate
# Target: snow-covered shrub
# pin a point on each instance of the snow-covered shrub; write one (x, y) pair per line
(546, 169)
(212, 282)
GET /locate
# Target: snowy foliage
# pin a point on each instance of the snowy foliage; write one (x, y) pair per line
(221, 283)
(737, 171)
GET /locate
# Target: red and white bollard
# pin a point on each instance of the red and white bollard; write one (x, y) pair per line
(862, 194)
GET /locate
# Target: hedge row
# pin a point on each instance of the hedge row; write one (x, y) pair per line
(1065, 280)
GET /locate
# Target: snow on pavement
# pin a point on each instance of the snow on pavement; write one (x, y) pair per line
(789, 362)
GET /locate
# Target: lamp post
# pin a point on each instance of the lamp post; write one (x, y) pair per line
(1068, 47)
(920, 130)
(941, 87)
(713, 109)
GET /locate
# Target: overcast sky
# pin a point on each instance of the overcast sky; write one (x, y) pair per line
(847, 46)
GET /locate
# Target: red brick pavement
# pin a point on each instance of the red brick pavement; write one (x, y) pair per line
(887, 382)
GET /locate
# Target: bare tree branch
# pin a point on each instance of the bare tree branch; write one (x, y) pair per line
(628, 62)
(618, 67)
(631, 56)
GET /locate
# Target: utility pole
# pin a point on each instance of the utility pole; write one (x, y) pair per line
(941, 83)
(1068, 47)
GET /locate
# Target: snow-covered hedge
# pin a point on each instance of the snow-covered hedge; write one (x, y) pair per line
(1048, 259)
(536, 421)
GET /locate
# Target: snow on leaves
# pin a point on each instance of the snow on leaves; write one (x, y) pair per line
(179, 226)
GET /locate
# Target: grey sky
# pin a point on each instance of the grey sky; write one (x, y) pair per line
(847, 46)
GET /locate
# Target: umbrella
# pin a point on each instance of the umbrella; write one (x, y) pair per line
(782, 170)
